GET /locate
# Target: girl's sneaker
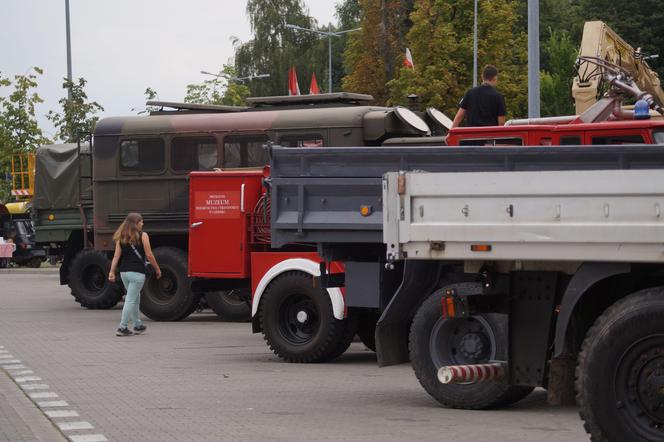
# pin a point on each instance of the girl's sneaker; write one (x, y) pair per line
(140, 329)
(123, 332)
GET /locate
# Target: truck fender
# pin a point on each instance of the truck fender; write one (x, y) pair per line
(588, 275)
(302, 265)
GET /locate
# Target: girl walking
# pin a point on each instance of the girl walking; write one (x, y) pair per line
(132, 249)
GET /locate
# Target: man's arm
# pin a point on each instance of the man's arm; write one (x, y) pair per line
(458, 118)
(502, 110)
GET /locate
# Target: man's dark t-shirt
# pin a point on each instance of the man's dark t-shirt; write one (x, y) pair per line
(483, 105)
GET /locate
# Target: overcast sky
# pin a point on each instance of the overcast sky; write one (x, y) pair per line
(123, 46)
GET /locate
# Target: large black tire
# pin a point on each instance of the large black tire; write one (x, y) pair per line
(435, 342)
(298, 323)
(231, 305)
(366, 329)
(620, 375)
(35, 262)
(169, 298)
(88, 280)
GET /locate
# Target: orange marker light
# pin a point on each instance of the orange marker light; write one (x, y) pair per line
(451, 309)
(480, 247)
(51, 217)
(366, 210)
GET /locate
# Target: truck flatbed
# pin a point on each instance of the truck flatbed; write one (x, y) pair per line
(317, 194)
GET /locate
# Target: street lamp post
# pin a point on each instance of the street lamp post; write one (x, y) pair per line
(68, 46)
(475, 47)
(329, 35)
(533, 60)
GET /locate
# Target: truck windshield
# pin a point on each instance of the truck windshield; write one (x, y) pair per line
(658, 136)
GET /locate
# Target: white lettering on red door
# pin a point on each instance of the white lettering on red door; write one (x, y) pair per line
(217, 205)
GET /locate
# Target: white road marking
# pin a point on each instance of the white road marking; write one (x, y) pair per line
(88, 438)
(28, 387)
(43, 395)
(13, 367)
(61, 413)
(46, 404)
(20, 374)
(68, 426)
(27, 379)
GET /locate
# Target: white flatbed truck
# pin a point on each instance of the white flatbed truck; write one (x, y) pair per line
(574, 261)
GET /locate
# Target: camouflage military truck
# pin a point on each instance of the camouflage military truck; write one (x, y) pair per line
(141, 163)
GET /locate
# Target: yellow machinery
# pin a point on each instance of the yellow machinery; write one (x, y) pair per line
(23, 176)
(602, 42)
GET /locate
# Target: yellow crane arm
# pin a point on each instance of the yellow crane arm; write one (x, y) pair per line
(601, 41)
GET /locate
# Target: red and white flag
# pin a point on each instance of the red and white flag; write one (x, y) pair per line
(408, 60)
(293, 86)
(313, 88)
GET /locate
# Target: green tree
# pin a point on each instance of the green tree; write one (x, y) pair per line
(78, 114)
(223, 90)
(441, 41)
(556, 78)
(19, 130)
(274, 47)
(149, 94)
(374, 54)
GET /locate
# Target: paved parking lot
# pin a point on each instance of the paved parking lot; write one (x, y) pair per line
(205, 380)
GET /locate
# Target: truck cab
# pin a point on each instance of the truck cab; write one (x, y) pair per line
(575, 134)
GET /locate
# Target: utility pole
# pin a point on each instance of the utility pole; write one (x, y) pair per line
(475, 47)
(68, 48)
(533, 60)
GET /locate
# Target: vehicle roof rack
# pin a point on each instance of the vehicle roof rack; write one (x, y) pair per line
(192, 107)
(336, 98)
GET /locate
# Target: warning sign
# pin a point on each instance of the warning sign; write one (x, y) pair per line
(217, 205)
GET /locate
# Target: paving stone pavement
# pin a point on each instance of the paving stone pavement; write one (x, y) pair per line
(20, 419)
(205, 380)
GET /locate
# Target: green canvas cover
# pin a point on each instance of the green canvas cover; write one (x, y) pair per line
(57, 176)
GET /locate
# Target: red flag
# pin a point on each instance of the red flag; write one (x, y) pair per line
(313, 89)
(408, 60)
(293, 86)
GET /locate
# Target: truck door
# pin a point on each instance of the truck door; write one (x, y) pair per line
(220, 207)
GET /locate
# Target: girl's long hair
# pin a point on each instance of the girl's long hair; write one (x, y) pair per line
(128, 232)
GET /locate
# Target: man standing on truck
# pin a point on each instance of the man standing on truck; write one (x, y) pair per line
(483, 105)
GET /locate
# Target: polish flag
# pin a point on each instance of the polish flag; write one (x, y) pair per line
(313, 89)
(293, 86)
(408, 60)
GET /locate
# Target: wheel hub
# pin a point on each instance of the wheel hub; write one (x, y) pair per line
(94, 278)
(650, 385)
(640, 387)
(299, 319)
(472, 345)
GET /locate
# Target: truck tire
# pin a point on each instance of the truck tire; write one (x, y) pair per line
(88, 280)
(298, 322)
(435, 342)
(366, 330)
(620, 374)
(35, 262)
(169, 298)
(230, 305)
